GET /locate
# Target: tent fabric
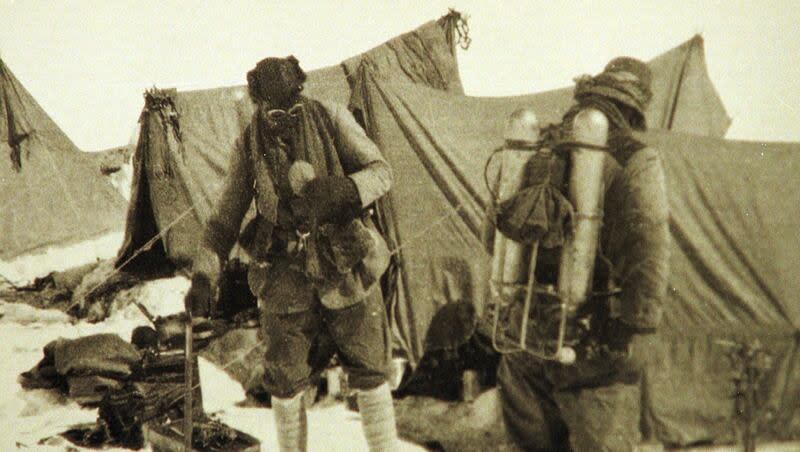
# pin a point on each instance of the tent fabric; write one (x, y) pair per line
(425, 56)
(186, 137)
(684, 98)
(50, 192)
(450, 135)
(731, 206)
(731, 212)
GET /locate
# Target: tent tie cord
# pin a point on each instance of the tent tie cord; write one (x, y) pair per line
(251, 349)
(146, 246)
(462, 29)
(15, 138)
(15, 143)
(435, 223)
(455, 21)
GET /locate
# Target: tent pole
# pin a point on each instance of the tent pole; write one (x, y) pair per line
(188, 386)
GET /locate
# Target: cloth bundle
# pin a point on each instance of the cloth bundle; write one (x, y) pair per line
(539, 211)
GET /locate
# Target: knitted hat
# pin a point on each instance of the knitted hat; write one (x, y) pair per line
(624, 81)
(276, 81)
(632, 66)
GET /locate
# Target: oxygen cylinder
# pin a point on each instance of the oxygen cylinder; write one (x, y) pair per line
(509, 269)
(586, 195)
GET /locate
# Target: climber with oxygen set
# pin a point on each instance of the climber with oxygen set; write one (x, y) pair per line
(579, 236)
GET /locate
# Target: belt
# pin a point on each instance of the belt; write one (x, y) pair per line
(287, 243)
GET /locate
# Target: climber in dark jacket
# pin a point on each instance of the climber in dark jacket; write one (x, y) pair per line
(317, 258)
(593, 404)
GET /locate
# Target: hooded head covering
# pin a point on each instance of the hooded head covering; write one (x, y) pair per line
(275, 85)
(626, 82)
(622, 93)
(276, 81)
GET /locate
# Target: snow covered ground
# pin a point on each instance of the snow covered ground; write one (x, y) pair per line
(121, 180)
(29, 417)
(26, 417)
(24, 269)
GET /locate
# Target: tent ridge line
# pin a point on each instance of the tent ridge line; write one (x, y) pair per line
(681, 76)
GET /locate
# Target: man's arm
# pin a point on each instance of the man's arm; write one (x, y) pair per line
(645, 271)
(367, 167)
(222, 228)
(221, 232)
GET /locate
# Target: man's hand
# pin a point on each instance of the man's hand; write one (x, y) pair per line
(618, 335)
(202, 294)
(632, 344)
(332, 199)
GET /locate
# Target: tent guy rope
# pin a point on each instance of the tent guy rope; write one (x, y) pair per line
(437, 222)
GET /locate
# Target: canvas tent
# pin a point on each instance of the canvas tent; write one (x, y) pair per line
(684, 99)
(732, 210)
(186, 137)
(51, 194)
(731, 206)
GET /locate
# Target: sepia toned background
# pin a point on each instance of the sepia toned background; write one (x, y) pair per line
(88, 61)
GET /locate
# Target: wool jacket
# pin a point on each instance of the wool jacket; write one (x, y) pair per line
(327, 136)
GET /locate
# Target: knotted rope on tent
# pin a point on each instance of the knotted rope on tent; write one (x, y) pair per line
(161, 101)
(456, 25)
(15, 138)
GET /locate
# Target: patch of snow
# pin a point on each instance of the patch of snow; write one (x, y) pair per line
(330, 428)
(122, 180)
(161, 297)
(486, 409)
(220, 391)
(24, 314)
(23, 270)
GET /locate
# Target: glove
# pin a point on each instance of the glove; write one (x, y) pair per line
(201, 296)
(618, 335)
(205, 279)
(331, 199)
